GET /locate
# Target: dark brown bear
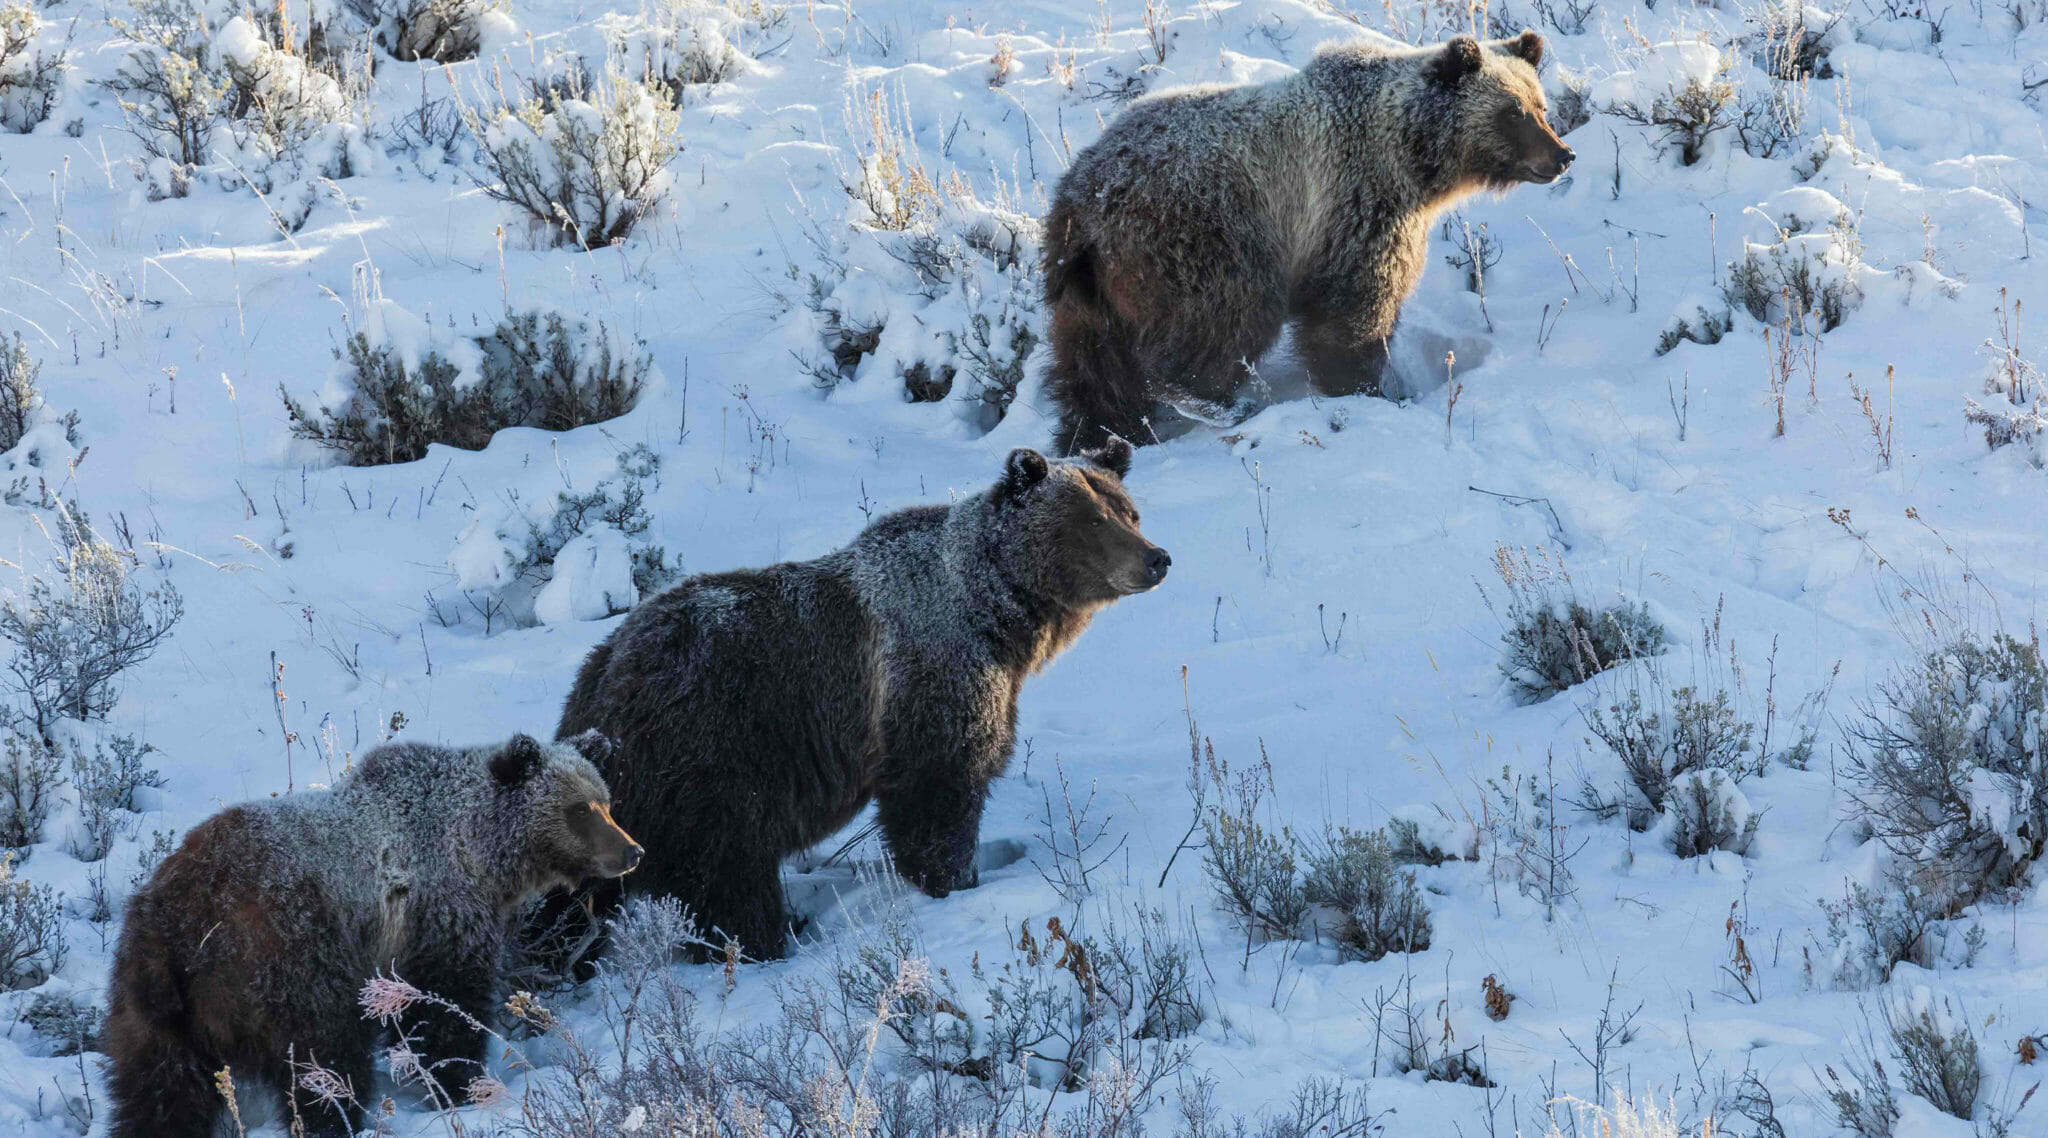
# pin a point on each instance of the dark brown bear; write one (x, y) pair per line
(248, 947)
(1205, 219)
(758, 711)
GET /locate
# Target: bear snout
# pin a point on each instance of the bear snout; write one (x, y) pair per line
(1157, 561)
(631, 860)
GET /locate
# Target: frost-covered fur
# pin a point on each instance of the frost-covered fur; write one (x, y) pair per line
(249, 945)
(757, 711)
(1206, 218)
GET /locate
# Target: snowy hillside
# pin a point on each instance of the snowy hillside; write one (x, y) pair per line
(1742, 369)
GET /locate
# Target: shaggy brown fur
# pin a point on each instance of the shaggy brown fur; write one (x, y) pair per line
(247, 948)
(758, 711)
(1204, 219)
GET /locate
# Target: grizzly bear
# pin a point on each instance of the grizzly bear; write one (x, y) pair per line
(1205, 219)
(248, 947)
(757, 712)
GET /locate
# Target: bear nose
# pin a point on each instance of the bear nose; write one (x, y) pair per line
(633, 856)
(1564, 159)
(1156, 561)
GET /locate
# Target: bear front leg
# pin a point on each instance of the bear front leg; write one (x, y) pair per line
(933, 829)
(740, 899)
(452, 1049)
(1344, 316)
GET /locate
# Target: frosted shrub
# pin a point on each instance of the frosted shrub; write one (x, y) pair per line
(1798, 276)
(691, 43)
(31, 774)
(1552, 639)
(80, 625)
(1379, 908)
(1933, 1052)
(445, 31)
(1704, 811)
(32, 942)
(294, 119)
(1949, 769)
(71, 1026)
(22, 407)
(402, 385)
(1872, 931)
(29, 70)
(106, 781)
(1251, 866)
(585, 166)
(2019, 414)
(172, 85)
(1664, 732)
(582, 556)
(1681, 89)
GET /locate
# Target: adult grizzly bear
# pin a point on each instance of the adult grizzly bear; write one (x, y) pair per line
(1204, 219)
(250, 943)
(757, 711)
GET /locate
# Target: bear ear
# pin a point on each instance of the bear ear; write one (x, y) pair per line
(1529, 46)
(593, 745)
(519, 760)
(1024, 469)
(1113, 456)
(1459, 58)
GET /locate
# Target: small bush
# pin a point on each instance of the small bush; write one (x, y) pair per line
(1251, 866)
(1870, 932)
(74, 631)
(1800, 276)
(1934, 1052)
(72, 1027)
(445, 31)
(28, 71)
(293, 118)
(1706, 812)
(586, 557)
(106, 781)
(172, 86)
(585, 166)
(1703, 327)
(30, 777)
(2021, 413)
(1685, 115)
(32, 943)
(1552, 639)
(1947, 766)
(1381, 910)
(1661, 732)
(530, 371)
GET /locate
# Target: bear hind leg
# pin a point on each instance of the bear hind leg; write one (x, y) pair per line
(160, 1088)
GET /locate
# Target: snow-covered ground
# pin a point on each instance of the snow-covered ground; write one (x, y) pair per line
(1322, 605)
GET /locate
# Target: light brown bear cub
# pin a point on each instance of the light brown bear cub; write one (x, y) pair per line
(1205, 219)
(248, 947)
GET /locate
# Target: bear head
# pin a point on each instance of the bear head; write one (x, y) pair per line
(568, 808)
(1077, 526)
(1500, 121)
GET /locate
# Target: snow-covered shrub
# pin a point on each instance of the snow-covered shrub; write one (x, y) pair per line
(1872, 931)
(1770, 119)
(690, 43)
(1931, 1047)
(172, 85)
(1379, 909)
(1693, 321)
(1251, 866)
(1681, 89)
(106, 781)
(919, 283)
(1568, 93)
(2022, 415)
(1407, 1039)
(72, 1026)
(404, 384)
(1705, 811)
(1626, 1118)
(1553, 640)
(22, 408)
(1662, 731)
(31, 774)
(1791, 40)
(584, 164)
(580, 556)
(1950, 767)
(1526, 842)
(32, 942)
(76, 628)
(292, 118)
(445, 31)
(1811, 265)
(28, 69)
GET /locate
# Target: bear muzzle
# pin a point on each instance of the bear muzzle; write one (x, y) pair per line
(1157, 561)
(1547, 170)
